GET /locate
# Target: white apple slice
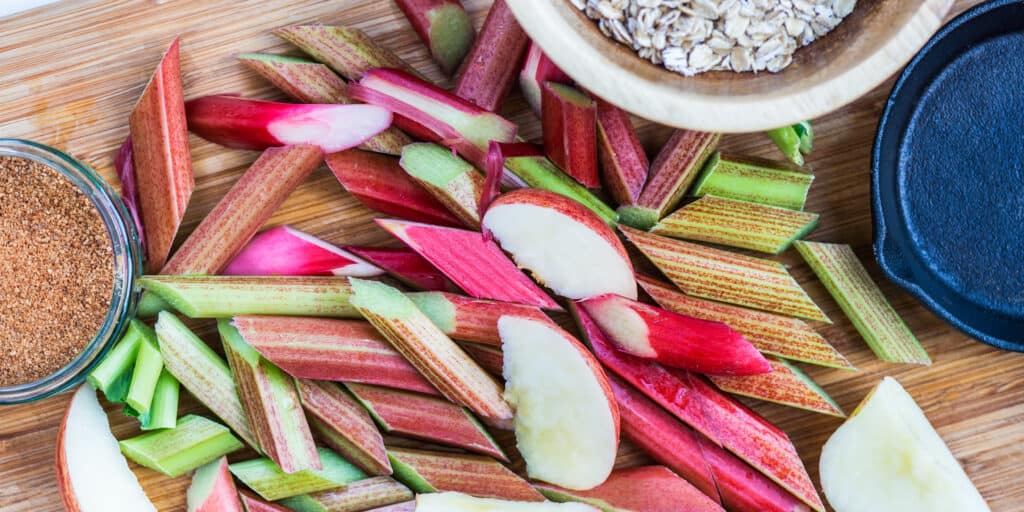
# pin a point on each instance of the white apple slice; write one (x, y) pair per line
(566, 419)
(92, 475)
(458, 502)
(887, 458)
(563, 244)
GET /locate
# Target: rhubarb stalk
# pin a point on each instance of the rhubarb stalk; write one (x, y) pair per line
(358, 495)
(253, 504)
(539, 172)
(570, 122)
(489, 357)
(638, 489)
(286, 251)
(148, 365)
(467, 319)
(193, 442)
(454, 182)
(624, 164)
(426, 472)
(348, 51)
(224, 296)
(407, 266)
(756, 180)
(266, 478)
(113, 374)
(537, 69)
(794, 141)
(344, 425)
(444, 26)
(212, 489)
(487, 73)
(497, 176)
(129, 190)
(785, 384)
(163, 412)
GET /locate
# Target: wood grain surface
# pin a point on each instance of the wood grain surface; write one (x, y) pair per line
(71, 72)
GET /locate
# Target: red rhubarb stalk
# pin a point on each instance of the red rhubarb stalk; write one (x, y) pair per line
(638, 489)
(244, 209)
(286, 251)
(213, 489)
(497, 175)
(537, 69)
(129, 191)
(487, 73)
(489, 357)
(444, 26)
(256, 124)
(570, 119)
(163, 164)
(475, 475)
(407, 266)
(381, 184)
(348, 51)
(622, 159)
(344, 425)
(467, 319)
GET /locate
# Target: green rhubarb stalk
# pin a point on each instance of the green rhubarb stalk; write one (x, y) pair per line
(163, 413)
(150, 305)
(862, 300)
(785, 384)
(805, 130)
(113, 375)
(539, 172)
(756, 180)
(348, 51)
(226, 296)
(193, 442)
(451, 180)
(789, 142)
(271, 483)
(740, 224)
(148, 366)
(361, 495)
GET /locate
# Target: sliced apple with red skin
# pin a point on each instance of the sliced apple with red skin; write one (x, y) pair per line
(563, 244)
(639, 489)
(92, 475)
(566, 419)
(213, 489)
(675, 340)
(454, 501)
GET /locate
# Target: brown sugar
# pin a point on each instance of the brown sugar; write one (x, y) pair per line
(56, 271)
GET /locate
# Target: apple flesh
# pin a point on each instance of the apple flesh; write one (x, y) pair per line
(92, 475)
(887, 457)
(566, 420)
(213, 489)
(452, 501)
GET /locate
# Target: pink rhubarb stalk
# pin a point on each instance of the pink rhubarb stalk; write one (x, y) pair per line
(624, 164)
(472, 261)
(537, 69)
(444, 26)
(328, 349)
(487, 73)
(475, 475)
(381, 184)
(344, 425)
(497, 176)
(253, 504)
(286, 251)
(489, 357)
(356, 496)
(638, 489)
(129, 191)
(674, 340)
(785, 384)
(163, 164)
(454, 182)
(570, 138)
(348, 51)
(256, 124)
(467, 319)
(213, 489)
(407, 266)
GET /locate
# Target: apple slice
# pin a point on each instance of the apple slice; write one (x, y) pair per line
(887, 457)
(566, 421)
(639, 489)
(566, 246)
(213, 489)
(451, 501)
(92, 475)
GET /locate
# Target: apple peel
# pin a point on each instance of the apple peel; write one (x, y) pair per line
(426, 472)
(286, 251)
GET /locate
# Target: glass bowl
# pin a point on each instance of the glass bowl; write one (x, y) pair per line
(127, 265)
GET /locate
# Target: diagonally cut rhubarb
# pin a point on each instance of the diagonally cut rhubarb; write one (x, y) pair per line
(644, 488)
(742, 224)
(537, 69)
(250, 503)
(271, 404)
(435, 355)
(407, 266)
(266, 478)
(225, 296)
(244, 209)
(163, 412)
(454, 182)
(467, 319)
(359, 495)
(498, 177)
(785, 384)
(408, 506)
(426, 472)
(862, 300)
(624, 164)
(148, 366)
(425, 417)
(539, 172)
(213, 489)
(489, 357)
(773, 334)
(348, 51)
(330, 349)
(487, 73)
(380, 183)
(343, 424)
(569, 118)
(756, 180)
(193, 442)
(444, 26)
(472, 261)
(671, 174)
(725, 276)
(286, 251)
(162, 162)
(112, 375)
(793, 140)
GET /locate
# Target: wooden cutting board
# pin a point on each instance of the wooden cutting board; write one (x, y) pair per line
(71, 72)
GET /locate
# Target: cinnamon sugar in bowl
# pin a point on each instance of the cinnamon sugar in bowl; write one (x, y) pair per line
(68, 260)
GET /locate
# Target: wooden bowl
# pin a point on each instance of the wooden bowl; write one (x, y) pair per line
(875, 41)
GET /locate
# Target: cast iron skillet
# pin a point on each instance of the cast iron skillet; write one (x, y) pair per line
(948, 175)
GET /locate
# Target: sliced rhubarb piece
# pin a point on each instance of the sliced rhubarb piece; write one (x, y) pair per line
(624, 164)
(329, 349)
(344, 425)
(271, 404)
(744, 490)
(539, 172)
(671, 174)
(253, 504)
(570, 138)
(286, 251)
(244, 209)
(162, 162)
(785, 384)
(472, 261)
(566, 247)
(148, 366)
(425, 109)
(537, 69)
(862, 300)
(488, 357)
(380, 183)
(113, 375)
(213, 489)
(468, 319)
(794, 140)
(674, 340)
(756, 180)
(407, 266)
(444, 26)
(449, 501)
(435, 355)
(638, 489)
(224, 296)
(425, 417)
(193, 442)
(475, 475)
(498, 176)
(408, 506)
(725, 276)
(567, 422)
(129, 190)
(163, 412)
(359, 495)
(454, 182)
(266, 478)
(742, 224)
(203, 373)
(487, 73)
(773, 334)
(348, 51)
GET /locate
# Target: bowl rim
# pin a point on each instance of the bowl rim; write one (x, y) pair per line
(737, 114)
(127, 266)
